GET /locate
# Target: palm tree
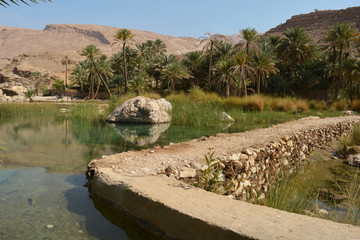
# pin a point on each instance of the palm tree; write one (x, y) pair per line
(124, 36)
(223, 49)
(159, 47)
(140, 82)
(7, 3)
(226, 67)
(193, 61)
(338, 42)
(66, 61)
(250, 35)
(173, 72)
(92, 53)
(105, 70)
(156, 67)
(37, 76)
(209, 44)
(351, 72)
(243, 68)
(296, 48)
(78, 75)
(263, 63)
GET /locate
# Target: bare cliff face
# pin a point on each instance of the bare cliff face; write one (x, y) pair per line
(23, 50)
(317, 22)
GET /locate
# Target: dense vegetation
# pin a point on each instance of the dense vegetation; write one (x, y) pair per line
(291, 65)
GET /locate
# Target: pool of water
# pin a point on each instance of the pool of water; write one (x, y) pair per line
(42, 193)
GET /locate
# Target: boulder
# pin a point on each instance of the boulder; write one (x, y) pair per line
(354, 160)
(141, 110)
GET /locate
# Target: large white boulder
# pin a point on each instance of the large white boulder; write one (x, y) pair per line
(142, 110)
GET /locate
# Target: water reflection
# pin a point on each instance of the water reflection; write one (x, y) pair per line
(140, 135)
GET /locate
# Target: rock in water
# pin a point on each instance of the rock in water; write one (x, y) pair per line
(142, 110)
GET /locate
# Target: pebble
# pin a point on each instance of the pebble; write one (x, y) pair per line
(49, 226)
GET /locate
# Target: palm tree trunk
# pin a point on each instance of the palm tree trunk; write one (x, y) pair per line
(66, 75)
(125, 70)
(227, 88)
(101, 78)
(258, 84)
(209, 76)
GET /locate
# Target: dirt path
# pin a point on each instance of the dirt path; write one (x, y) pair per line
(152, 161)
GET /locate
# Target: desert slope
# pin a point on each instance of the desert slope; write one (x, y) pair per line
(318, 22)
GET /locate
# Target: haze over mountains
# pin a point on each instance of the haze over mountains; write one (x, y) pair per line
(23, 51)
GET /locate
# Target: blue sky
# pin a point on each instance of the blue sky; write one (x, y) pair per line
(177, 18)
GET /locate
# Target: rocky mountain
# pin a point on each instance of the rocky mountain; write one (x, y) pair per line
(23, 51)
(318, 22)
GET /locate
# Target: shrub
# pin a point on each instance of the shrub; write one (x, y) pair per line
(318, 105)
(355, 105)
(285, 104)
(339, 105)
(302, 105)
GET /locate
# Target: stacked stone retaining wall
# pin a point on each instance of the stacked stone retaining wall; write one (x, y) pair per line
(250, 172)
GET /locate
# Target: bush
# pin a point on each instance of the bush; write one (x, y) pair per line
(302, 105)
(339, 105)
(318, 105)
(355, 105)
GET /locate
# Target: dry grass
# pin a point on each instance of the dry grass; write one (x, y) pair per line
(355, 105)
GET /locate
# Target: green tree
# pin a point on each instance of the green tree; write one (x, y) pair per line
(250, 35)
(174, 72)
(243, 68)
(295, 48)
(37, 77)
(78, 75)
(140, 82)
(226, 68)
(124, 36)
(339, 42)
(66, 61)
(209, 40)
(193, 61)
(263, 62)
(92, 53)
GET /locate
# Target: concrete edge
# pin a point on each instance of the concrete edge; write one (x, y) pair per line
(179, 211)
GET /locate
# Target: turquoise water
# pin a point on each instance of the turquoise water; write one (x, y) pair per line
(41, 181)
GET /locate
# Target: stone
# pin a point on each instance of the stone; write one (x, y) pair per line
(226, 117)
(353, 160)
(186, 172)
(196, 166)
(243, 157)
(141, 110)
(347, 112)
(50, 226)
(323, 212)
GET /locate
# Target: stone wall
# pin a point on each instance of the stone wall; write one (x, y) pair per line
(251, 171)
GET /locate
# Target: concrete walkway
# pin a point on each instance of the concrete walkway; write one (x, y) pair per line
(181, 211)
(185, 212)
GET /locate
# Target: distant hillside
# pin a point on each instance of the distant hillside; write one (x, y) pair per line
(25, 50)
(319, 21)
